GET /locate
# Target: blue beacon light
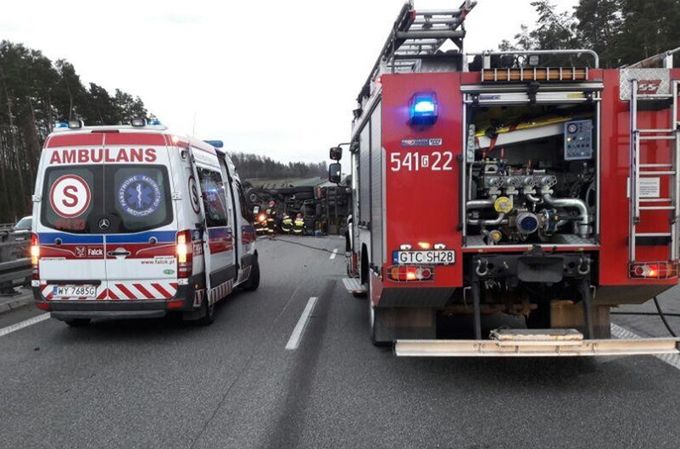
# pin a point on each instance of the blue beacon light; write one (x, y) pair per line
(423, 110)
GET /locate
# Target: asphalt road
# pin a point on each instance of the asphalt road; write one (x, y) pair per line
(164, 384)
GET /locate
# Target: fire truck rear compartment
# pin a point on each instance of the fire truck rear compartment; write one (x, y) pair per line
(531, 175)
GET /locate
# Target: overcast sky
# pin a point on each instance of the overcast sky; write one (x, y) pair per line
(270, 77)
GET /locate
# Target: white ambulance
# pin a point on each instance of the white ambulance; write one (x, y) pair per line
(134, 222)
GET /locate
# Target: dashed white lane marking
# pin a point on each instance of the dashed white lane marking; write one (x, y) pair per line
(29, 322)
(335, 253)
(296, 336)
(620, 332)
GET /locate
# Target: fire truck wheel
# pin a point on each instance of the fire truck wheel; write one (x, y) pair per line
(372, 323)
(78, 322)
(254, 279)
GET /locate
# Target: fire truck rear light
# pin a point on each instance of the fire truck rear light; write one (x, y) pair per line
(654, 270)
(424, 245)
(424, 109)
(410, 273)
(439, 246)
(405, 247)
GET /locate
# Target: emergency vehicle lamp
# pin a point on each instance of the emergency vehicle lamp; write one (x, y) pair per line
(138, 122)
(75, 124)
(215, 143)
(423, 109)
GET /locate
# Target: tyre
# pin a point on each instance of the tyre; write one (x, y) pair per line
(208, 315)
(253, 281)
(78, 322)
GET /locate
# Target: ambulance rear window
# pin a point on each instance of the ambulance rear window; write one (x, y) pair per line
(72, 197)
(106, 199)
(141, 197)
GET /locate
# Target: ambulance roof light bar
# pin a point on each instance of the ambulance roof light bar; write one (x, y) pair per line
(215, 143)
(138, 122)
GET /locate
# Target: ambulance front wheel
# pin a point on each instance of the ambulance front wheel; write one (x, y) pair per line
(78, 322)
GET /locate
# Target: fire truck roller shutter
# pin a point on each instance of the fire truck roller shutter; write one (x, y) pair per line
(364, 176)
(376, 200)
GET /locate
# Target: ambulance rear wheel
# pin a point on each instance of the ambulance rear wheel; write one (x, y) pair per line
(78, 322)
(253, 281)
(208, 316)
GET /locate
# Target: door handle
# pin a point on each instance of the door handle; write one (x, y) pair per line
(118, 253)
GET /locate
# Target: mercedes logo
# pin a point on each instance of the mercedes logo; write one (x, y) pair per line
(104, 224)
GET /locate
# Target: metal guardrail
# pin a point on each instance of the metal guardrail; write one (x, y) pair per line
(15, 266)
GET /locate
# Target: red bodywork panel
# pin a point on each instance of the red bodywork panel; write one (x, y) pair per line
(423, 205)
(615, 166)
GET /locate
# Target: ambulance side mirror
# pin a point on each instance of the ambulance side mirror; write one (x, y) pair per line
(336, 153)
(335, 173)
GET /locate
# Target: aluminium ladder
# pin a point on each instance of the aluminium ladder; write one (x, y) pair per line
(416, 35)
(639, 170)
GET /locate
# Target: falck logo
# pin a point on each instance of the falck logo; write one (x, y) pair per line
(648, 87)
(80, 251)
(104, 224)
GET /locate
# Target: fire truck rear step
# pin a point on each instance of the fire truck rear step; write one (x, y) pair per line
(536, 343)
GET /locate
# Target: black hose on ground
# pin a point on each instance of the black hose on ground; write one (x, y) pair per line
(276, 239)
(675, 315)
(659, 313)
(663, 317)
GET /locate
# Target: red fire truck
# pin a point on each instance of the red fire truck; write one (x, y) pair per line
(526, 185)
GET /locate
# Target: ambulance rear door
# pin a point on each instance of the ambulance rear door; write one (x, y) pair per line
(69, 203)
(139, 220)
(218, 236)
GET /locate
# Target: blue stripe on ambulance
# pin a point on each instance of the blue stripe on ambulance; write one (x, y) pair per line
(50, 238)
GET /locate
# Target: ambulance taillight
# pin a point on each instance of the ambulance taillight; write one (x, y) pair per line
(35, 256)
(184, 254)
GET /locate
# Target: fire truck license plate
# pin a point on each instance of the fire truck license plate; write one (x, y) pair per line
(76, 291)
(442, 257)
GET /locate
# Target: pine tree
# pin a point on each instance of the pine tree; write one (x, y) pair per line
(599, 27)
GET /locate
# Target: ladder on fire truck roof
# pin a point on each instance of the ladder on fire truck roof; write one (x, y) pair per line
(417, 35)
(653, 172)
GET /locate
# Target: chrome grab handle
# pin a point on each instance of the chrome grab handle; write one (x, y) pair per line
(117, 253)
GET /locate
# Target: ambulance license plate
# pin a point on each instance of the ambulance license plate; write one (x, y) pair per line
(75, 291)
(435, 257)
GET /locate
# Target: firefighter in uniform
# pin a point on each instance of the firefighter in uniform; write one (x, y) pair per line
(271, 218)
(299, 224)
(286, 224)
(260, 219)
